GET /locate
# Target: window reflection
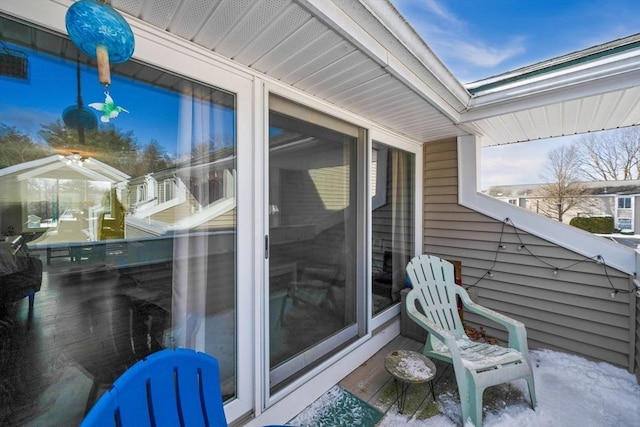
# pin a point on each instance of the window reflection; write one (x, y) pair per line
(123, 233)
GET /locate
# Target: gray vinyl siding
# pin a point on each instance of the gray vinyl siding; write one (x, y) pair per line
(637, 349)
(570, 311)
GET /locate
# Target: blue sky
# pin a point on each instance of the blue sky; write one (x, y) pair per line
(51, 87)
(476, 39)
(44, 96)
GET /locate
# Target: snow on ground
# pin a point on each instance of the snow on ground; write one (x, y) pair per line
(571, 391)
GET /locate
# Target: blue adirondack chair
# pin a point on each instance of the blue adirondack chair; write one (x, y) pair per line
(173, 387)
(476, 365)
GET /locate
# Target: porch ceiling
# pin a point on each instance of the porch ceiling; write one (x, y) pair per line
(363, 57)
(591, 90)
(332, 50)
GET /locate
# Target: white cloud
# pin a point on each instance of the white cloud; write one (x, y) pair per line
(440, 11)
(448, 35)
(482, 55)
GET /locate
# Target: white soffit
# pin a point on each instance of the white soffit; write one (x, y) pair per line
(592, 90)
(335, 50)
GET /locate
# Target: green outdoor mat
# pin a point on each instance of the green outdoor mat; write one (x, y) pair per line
(338, 408)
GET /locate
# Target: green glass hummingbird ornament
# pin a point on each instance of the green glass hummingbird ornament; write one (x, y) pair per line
(108, 108)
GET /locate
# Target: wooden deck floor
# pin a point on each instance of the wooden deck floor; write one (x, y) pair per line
(373, 384)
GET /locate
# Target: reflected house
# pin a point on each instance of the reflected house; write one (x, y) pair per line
(64, 198)
(304, 179)
(192, 196)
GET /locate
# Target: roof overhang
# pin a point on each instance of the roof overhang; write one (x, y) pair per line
(360, 56)
(363, 57)
(591, 90)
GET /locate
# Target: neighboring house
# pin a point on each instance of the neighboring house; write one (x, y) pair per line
(616, 199)
(317, 88)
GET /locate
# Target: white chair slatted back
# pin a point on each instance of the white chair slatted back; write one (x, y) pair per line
(433, 280)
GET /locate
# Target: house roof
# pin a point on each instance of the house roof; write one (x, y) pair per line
(590, 90)
(88, 169)
(596, 188)
(364, 57)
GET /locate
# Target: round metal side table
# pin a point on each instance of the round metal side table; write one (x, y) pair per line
(409, 367)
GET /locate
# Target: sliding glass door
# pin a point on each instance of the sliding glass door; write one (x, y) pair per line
(314, 224)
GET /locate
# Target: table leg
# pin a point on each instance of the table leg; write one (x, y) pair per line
(401, 393)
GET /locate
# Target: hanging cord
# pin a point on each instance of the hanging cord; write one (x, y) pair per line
(598, 259)
(78, 85)
(495, 260)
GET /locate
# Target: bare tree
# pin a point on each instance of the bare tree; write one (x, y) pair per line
(611, 156)
(563, 190)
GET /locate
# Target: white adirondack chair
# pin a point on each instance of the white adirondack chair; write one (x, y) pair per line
(476, 365)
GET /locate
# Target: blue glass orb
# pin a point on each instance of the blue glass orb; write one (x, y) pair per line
(75, 117)
(90, 24)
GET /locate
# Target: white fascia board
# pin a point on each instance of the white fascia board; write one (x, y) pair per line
(606, 76)
(49, 14)
(396, 24)
(102, 167)
(347, 26)
(29, 165)
(62, 163)
(568, 237)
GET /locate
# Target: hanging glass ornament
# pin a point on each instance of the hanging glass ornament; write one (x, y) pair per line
(101, 32)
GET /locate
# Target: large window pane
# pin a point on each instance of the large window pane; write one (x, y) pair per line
(313, 234)
(124, 227)
(392, 204)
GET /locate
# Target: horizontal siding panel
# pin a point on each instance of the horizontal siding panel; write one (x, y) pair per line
(444, 208)
(510, 262)
(439, 156)
(448, 145)
(563, 339)
(594, 285)
(442, 199)
(449, 182)
(434, 218)
(583, 349)
(590, 305)
(438, 191)
(637, 349)
(446, 168)
(557, 313)
(558, 257)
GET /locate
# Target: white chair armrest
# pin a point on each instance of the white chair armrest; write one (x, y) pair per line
(515, 328)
